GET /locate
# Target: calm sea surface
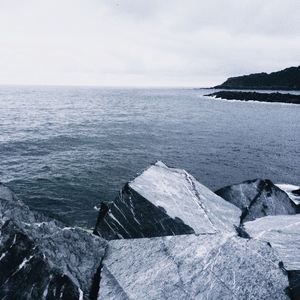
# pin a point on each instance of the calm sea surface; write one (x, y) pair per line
(65, 149)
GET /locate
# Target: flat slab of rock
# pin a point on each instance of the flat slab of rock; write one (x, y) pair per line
(283, 233)
(258, 198)
(165, 201)
(191, 267)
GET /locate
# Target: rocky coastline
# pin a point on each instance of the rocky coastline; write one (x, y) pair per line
(255, 96)
(165, 236)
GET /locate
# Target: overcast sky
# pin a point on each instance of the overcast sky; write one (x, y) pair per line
(145, 42)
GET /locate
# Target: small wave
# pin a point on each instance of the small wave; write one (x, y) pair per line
(96, 208)
(290, 190)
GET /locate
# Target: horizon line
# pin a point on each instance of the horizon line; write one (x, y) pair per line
(106, 86)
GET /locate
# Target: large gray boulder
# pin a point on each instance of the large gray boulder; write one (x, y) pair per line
(41, 256)
(258, 198)
(205, 260)
(165, 201)
(209, 266)
(192, 250)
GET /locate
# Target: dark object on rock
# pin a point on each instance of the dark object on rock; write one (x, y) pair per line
(296, 192)
(242, 232)
(294, 279)
(104, 209)
(287, 79)
(254, 96)
(258, 198)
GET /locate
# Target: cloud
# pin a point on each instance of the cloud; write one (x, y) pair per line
(138, 42)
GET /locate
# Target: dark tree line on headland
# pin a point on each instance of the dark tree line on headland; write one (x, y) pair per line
(287, 79)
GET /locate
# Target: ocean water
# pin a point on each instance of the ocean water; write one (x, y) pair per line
(65, 149)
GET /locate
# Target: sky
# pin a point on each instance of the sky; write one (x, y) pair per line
(180, 43)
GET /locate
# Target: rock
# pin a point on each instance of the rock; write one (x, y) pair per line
(6, 193)
(207, 266)
(13, 209)
(292, 191)
(282, 233)
(254, 96)
(70, 256)
(258, 198)
(164, 201)
(26, 273)
(42, 259)
(294, 279)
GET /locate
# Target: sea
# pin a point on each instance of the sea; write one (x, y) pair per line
(63, 150)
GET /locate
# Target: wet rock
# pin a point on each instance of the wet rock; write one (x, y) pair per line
(258, 198)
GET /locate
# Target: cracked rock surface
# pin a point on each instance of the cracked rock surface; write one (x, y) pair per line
(192, 267)
(165, 201)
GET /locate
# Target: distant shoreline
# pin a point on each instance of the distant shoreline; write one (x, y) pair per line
(255, 96)
(287, 80)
